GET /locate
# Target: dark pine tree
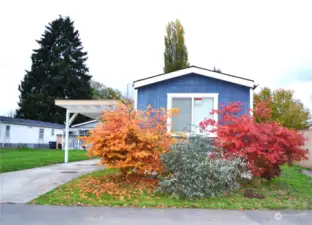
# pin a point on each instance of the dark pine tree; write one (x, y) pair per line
(58, 71)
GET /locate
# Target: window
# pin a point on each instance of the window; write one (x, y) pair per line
(83, 132)
(194, 108)
(41, 133)
(7, 131)
(52, 132)
(182, 122)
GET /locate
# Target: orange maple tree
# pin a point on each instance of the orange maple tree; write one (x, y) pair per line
(131, 140)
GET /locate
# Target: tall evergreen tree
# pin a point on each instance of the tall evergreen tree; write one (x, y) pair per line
(175, 55)
(58, 71)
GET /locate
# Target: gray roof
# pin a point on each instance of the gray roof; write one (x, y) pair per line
(34, 123)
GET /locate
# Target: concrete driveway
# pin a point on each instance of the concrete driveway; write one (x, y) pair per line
(61, 215)
(25, 185)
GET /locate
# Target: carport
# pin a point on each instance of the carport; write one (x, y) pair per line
(90, 108)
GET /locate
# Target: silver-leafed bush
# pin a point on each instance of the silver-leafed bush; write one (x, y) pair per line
(197, 170)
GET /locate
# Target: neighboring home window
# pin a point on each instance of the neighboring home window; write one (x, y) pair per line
(7, 131)
(194, 108)
(52, 132)
(83, 132)
(41, 133)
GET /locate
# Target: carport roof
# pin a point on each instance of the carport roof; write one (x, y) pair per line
(90, 108)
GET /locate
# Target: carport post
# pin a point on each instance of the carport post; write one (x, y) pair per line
(66, 135)
(68, 123)
(89, 108)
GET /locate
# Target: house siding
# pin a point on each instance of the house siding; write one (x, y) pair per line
(156, 94)
(26, 136)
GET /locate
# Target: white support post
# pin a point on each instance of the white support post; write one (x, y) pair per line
(66, 135)
(77, 135)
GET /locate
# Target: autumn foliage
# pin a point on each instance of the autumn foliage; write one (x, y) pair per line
(117, 187)
(131, 140)
(266, 145)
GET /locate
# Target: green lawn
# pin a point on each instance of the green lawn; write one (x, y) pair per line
(19, 159)
(292, 190)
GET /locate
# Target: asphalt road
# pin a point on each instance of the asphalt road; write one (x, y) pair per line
(17, 214)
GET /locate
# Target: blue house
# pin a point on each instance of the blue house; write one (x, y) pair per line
(195, 91)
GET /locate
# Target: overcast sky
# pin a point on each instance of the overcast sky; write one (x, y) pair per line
(270, 42)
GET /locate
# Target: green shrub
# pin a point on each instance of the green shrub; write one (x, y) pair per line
(196, 171)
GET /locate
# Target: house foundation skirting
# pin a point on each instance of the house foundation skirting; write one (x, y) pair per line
(23, 145)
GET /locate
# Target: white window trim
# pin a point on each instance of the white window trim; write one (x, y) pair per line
(215, 97)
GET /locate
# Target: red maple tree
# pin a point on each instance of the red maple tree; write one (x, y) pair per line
(266, 145)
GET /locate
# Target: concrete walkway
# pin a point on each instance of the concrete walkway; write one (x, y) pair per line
(11, 214)
(25, 185)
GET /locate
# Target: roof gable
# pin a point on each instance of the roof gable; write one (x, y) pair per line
(196, 70)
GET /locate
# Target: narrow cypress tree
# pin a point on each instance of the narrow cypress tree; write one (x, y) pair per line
(58, 71)
(175, 56)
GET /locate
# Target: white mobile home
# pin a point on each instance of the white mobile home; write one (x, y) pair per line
(16, 133)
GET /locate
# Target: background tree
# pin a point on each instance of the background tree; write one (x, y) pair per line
(10, 113)
(286, 110)
(217, 70)
(100, 91)
(175, 56)
(58, 71)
